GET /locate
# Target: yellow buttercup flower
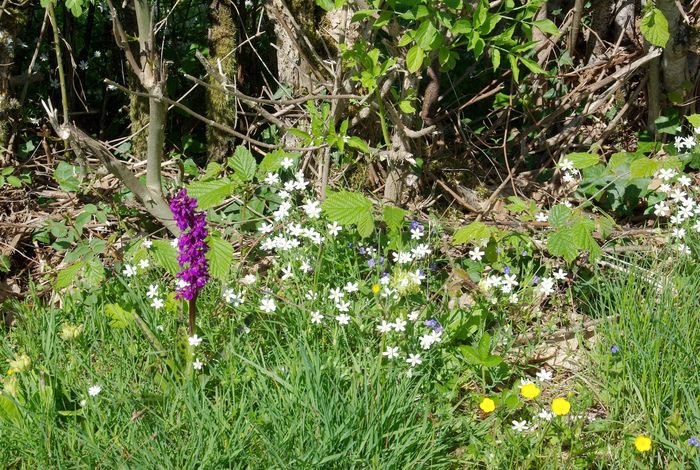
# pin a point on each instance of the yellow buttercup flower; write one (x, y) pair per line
(530, 391)
(487, 405)
(561, 406)
(642, 443)
(20, 363)
(376, 288)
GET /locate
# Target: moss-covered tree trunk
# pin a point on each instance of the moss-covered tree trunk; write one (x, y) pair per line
(222, 49)
(138, 105)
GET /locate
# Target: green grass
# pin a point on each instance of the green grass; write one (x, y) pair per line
(296, 401)
(651, 386)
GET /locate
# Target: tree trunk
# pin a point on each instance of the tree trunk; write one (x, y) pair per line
(674, 61)
(220, 107)
(9, 23)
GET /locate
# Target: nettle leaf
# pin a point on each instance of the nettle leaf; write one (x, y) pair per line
(644, 167)
(472, 232)
(220, 257)
(348, 208)
(67, 275)
(654, 27)
(393, 217)
(243, 162)
(120, 318)
(210, 193)
(562, 243)
(94, 272)
(559, 216)
(583, 160)
(414, 59)
(165, 255)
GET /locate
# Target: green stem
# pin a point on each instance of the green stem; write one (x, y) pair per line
(193, 313)
(59, 61)
(382, 119)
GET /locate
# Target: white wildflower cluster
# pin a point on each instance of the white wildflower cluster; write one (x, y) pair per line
(679, 205)
(569, 173)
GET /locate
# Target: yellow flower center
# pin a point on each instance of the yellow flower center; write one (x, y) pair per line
(376, 288)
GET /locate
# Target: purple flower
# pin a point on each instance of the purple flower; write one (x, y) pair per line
(381, 260)
(385, 274)
(506, 270)
(432, 323)
(362, 250)
(523, 253)
(535, 280)
(371, 262)
(415, 224)
(192, 245)
(693, 441)
(614, 349)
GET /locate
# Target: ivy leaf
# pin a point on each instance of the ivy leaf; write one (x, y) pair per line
(654, 26)
(644, 167)
(243, 162)
(414, 59)
(583, 160)
(165, 255)
(472, 232)
(220, 257)
(562, 243)
(210, 193)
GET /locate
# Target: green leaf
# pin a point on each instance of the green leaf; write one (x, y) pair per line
(94, 272)
(359, 144)
(406, 107)
(473, 232)
(414, 59)
(495, 58)
(484, 346)
(328, 5)
(559, 216)
(210, 193)
(654, 26)
(546, 26)
(67, 275)
(273, 161)
(562, 243)
(644, 167)
(14, 181)
(694, 120)
(220, 257)
(66, 177)
(365, 225)
(425, 35)
(120, 318)
(514, 66)
(243, 162)
(584, 239)
(5, 264)
(9, 410)
(583, 160)
(165, 255)
(393, 217)
(470, 355)
(345, 207)
(532, 65)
